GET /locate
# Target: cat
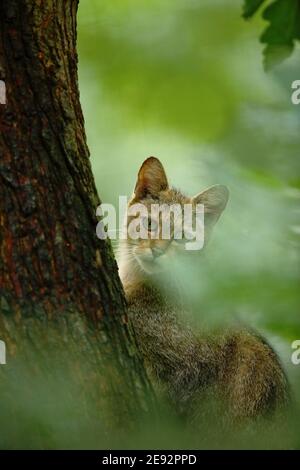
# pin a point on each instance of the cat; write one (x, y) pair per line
(236, 370)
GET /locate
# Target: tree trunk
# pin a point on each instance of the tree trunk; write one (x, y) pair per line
(53, 269)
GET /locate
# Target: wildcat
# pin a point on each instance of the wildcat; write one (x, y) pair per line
(235, 370)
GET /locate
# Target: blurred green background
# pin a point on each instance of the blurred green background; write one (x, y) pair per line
(183, 80)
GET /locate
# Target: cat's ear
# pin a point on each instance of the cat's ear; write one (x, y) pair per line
(214, 200)
(151, 179)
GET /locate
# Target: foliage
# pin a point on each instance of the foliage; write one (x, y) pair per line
(183, 80)
(283, 29)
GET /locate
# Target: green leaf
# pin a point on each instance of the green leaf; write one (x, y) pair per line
(274, 55)
(251, 7)
(283, 30)
(284, 18)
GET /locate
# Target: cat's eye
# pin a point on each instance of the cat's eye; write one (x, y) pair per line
(150, 224)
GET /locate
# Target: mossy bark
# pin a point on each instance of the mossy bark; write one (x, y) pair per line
(53, 268)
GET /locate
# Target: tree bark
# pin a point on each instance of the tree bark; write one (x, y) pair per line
(53, 268)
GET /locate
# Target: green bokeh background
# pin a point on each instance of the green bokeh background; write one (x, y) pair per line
(183, 80)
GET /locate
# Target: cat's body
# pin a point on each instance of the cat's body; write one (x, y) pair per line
(235, 371)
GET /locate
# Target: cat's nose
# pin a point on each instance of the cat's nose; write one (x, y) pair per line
(156, 252)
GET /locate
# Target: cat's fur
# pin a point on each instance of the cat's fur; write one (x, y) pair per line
(235, 369)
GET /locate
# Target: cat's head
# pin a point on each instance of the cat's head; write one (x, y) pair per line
(155, 253)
